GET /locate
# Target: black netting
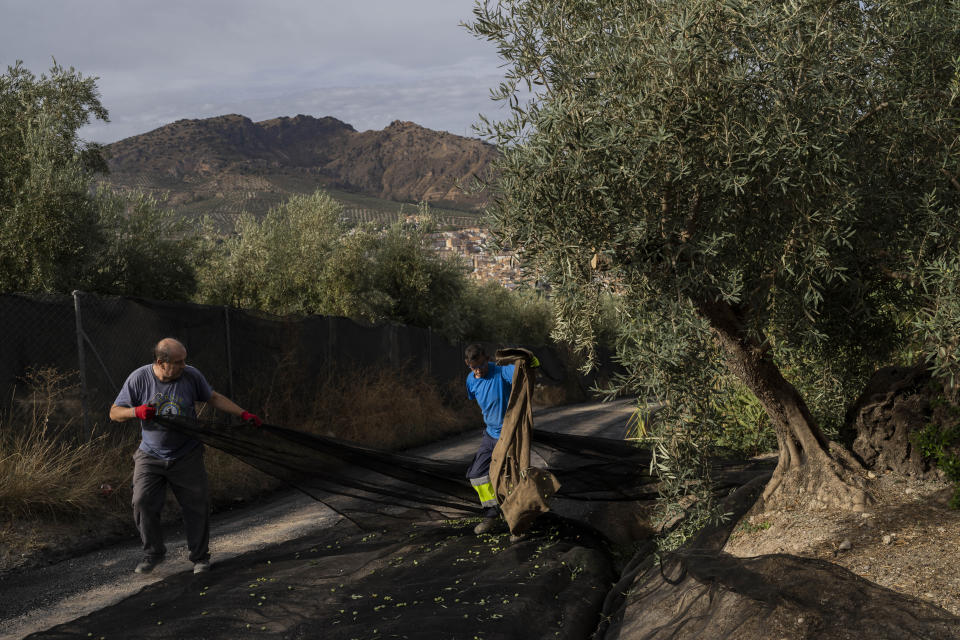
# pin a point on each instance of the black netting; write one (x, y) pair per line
(426, 581)
(771, 596)
(403, 564)
(609, 478)
(435, 579)
(39, 331)
(381, 482)
(251, 357)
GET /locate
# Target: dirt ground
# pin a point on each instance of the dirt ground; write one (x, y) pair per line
(907, 541)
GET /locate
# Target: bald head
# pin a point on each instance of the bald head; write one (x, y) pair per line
(169, 349)
(170, 357)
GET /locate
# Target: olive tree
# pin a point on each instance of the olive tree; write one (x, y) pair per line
(275, 264)
(57, 231)
(761, 183)
(144, 249)
(48, 217)
(303, 257)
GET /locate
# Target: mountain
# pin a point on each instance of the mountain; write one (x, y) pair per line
(228, 164)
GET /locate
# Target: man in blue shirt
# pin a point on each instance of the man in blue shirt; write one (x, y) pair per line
(169, 386)
(490, 385)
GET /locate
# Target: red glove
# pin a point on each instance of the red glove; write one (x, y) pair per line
(246, 416)
(145, 412)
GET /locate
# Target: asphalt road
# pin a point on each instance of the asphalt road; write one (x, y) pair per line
(37, 599)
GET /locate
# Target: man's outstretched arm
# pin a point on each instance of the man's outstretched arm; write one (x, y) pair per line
(225, 404)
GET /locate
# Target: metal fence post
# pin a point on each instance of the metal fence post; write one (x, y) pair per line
(393, 336)
(331, 336)
(81, 363)
(226, 318)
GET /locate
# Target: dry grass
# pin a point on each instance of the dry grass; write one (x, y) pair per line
(545, 395)
(382, 407)
(232, 482)
(46, 474)
(41, 475)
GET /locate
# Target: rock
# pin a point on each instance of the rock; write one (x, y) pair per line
(893, 406)
(846, 545)
(889, 538)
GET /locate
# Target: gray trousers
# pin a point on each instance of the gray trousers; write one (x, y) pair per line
(187, 477)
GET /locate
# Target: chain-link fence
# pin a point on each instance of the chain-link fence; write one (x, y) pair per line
(249, 356)
(103, 339)
(40, 331)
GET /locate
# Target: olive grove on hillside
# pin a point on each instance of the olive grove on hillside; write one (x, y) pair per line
(765, 186)
(303, 258)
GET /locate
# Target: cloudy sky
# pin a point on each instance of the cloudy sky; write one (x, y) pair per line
(366, 62)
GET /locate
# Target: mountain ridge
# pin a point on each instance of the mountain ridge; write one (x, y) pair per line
(230, 163)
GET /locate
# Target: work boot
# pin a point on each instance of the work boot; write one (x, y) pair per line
(486, 525)
(148, 563)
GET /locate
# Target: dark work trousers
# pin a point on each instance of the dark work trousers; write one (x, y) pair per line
(187, 477)
(478, 474)
(481, 460)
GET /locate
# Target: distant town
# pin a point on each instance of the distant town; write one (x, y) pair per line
(472, 244)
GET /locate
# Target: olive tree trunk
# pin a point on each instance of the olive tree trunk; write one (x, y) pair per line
(810, 467)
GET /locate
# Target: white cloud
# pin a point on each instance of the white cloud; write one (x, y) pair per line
(366, 62)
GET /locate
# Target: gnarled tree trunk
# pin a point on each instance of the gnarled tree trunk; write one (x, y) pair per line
(810, 467)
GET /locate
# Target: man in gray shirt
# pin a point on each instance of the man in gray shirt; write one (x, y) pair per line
(169, 386)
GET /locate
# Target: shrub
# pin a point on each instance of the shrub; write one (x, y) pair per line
(939, 442)
(48, 219)
(147, 250)
(743, 425)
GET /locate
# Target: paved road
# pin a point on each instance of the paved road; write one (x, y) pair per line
(37, 599)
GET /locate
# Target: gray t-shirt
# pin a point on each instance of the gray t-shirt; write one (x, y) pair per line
(174, 398)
